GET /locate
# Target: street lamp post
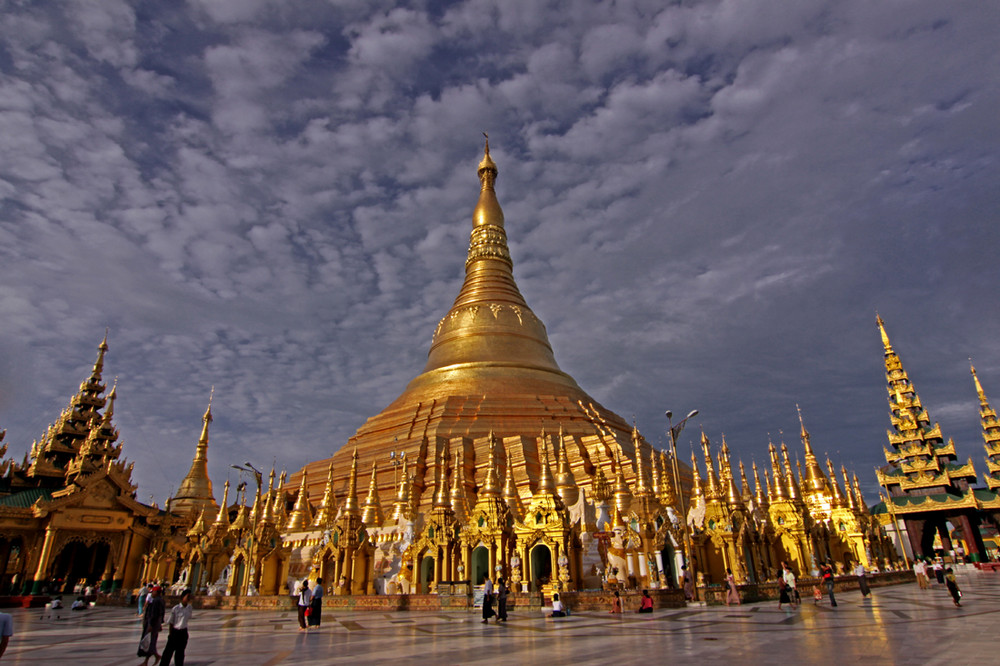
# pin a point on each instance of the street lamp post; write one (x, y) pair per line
(674, 431)
(396, 458)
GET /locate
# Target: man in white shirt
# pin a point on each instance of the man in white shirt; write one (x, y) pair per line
(177, 624)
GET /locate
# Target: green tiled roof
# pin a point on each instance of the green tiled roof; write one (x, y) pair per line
(25, 498)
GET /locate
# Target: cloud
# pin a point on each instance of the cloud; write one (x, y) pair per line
(706, 202)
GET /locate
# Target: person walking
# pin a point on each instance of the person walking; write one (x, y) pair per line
(688, 583)
(920, 572)
(177, 631)
(502, 593)
(152, 622)
(487, 600)
(952, 584)
(938, 569)
(305, 598)
(316, 605)
(732, 592)
(859, 571)
(143, 591)
(826, 571)
(789, 594)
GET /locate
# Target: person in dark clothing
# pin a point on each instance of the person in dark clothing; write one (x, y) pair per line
(316, 605)
(826, 571)
(502, 593)
(949, 580)
(152, 621)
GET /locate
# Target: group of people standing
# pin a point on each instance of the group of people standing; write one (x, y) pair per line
(309, 602)
(497, 596)
(943, 575)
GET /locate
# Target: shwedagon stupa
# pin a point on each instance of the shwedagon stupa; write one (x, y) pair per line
(490, 369)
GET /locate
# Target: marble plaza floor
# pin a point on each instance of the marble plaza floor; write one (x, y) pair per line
(899, 625)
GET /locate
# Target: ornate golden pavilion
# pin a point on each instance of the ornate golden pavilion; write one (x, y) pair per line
(927, 488)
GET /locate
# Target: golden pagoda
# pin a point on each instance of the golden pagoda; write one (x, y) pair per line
(490, 368)
(991, 435)
(195, 491)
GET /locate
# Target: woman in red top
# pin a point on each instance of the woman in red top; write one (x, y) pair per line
(646, 603)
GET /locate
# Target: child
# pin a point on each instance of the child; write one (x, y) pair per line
(817, 595)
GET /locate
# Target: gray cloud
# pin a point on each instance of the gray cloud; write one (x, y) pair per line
(706, 203)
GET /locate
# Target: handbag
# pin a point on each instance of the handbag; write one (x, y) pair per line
(144, 642)
(308, 611)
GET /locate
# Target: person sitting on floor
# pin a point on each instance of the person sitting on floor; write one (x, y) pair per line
(79, 604)
(557, 607)
(645, 603)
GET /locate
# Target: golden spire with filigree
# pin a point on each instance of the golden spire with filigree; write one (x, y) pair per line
(459, 497)
(441, 499)
(641, 489)
(623, 495)
(814, 481)
(195, 490)
(851, 500)
(372, 513)
(351, 501)
(491, 483)
(222, 518)
(836, 497)
(511, 496)
(697, 494)
(779, 492)
(327, 506)
(668, 494)
(745, 493)
(758, 497)
(712, 493)
(546, 482)
(791, 485)
(566, 485)
(401, 508)
(301, 517)
(862, 505)
(991, 434)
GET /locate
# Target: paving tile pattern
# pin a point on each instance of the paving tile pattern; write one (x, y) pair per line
(898, 625)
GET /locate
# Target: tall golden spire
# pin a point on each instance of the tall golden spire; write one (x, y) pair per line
(565, 481)
(851, 501)
(511, 497)
(790, 483)
(837, 498)
(779, 491)
(372, 514)
(759, 498)
(459, 498)
(351, 501)
(697, 494)
(195, 490)
(885, 336)
(222, 519)
(401, 508)
(622, 493)
(712, 491)
(746, 493)
(328, 505)
(301, 516)
(668, 494)
(655, 473)
(862, 505)
(641, 490)
(546, 484)
(490, 322)
(814, 481)
(733, 497)
(441, 499)
(491, 483)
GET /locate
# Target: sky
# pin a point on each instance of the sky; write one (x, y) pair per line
(706, 203)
